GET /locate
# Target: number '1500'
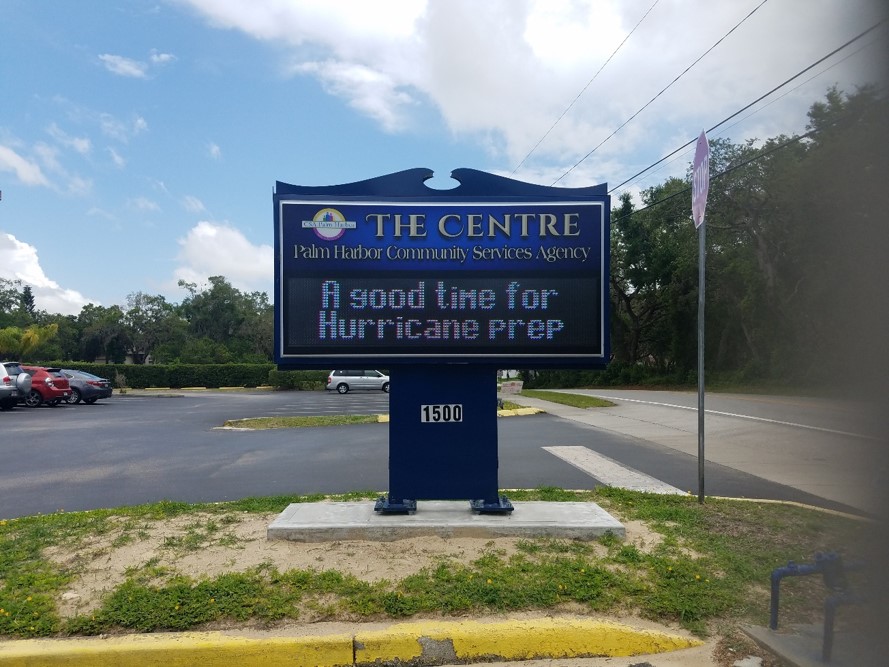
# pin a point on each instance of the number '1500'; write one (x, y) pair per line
(441, 413)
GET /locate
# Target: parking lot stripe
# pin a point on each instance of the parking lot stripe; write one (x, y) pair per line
(610, 472)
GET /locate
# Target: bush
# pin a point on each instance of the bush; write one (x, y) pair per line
(616, 374)
(302, 380)
(177, 376)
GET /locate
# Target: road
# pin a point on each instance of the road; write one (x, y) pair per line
(829, 448)
(135, 449)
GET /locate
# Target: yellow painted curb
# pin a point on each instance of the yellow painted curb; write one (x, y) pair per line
(428, 642)
(518, 412)
(207, 649)
(382, 419)
(440, 642)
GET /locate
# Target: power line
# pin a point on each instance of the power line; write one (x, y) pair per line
(574, 101)
(758, 99)
(684, 72)
(729, 170)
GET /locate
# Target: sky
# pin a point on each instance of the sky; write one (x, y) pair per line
(140, 141)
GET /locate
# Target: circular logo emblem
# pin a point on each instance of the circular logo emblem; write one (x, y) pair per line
(330, 224)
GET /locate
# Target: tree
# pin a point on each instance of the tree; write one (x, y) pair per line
(21, 344)
(66, 344)
(242, 323)
(104, 333)
(27, 302)
(652, 279)
(153, 323)
(841, 239)
(11, 312)
(213, 313)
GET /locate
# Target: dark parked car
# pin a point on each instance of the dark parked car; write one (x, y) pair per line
(87, 387)
(48, 385)
(15, 383)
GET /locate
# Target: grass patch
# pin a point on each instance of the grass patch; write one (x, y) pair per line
(574, 400)
(260, 423)
(709, 566)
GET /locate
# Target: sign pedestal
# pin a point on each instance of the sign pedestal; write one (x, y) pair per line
(443, 438)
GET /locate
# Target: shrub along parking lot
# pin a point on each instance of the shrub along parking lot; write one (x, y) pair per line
(177, 376)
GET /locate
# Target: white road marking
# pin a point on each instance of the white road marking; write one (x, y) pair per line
(610, 472)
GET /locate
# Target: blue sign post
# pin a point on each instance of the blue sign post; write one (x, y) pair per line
(442, 287)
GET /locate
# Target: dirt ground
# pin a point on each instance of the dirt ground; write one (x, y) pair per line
(206, 546)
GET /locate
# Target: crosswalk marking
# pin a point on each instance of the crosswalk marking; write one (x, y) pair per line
(610, 472)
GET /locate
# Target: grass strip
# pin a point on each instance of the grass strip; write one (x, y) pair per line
(707, 565)
(262, 423)
(574, 400)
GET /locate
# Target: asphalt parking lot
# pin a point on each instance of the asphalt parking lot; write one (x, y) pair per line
(148, 447)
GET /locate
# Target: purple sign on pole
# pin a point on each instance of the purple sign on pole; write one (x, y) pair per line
(700, 182)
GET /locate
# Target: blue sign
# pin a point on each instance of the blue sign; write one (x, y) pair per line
(390, 271)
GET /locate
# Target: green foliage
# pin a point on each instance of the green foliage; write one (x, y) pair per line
(302, 380)
(21, 344)
(307, 421)
(574, 400)
(789, 230)
(177, 376)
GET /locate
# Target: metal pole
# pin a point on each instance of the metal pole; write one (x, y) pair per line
(702, 258)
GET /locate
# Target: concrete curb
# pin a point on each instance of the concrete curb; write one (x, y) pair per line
(519, 412)
(422, 642)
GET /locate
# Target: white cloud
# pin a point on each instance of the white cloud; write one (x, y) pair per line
(135, 69)
(160, 186)
(124, 66)
(143, 204)
(25, 170)
(101, 213)
(72, 183)
(49, 156)
(117, 158)
(212, 249)
(501, 72)
(119, 130)
(19, 261)
(368, 90)
(193, 204)
(80, 145)
(344, 20)
(77, 185)
(214, 151)
(161, 58)
(113, 128)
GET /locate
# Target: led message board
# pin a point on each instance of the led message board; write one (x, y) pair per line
(390, 271)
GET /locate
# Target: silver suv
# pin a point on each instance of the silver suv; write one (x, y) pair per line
(344, 381)
(15, 384)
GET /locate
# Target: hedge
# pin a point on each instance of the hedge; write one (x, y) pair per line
(213, 376)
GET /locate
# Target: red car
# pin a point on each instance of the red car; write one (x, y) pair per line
(48, 385)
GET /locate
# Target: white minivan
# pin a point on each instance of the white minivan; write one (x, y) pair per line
(345, 381)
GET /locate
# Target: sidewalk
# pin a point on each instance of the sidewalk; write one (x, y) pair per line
(827, 465)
